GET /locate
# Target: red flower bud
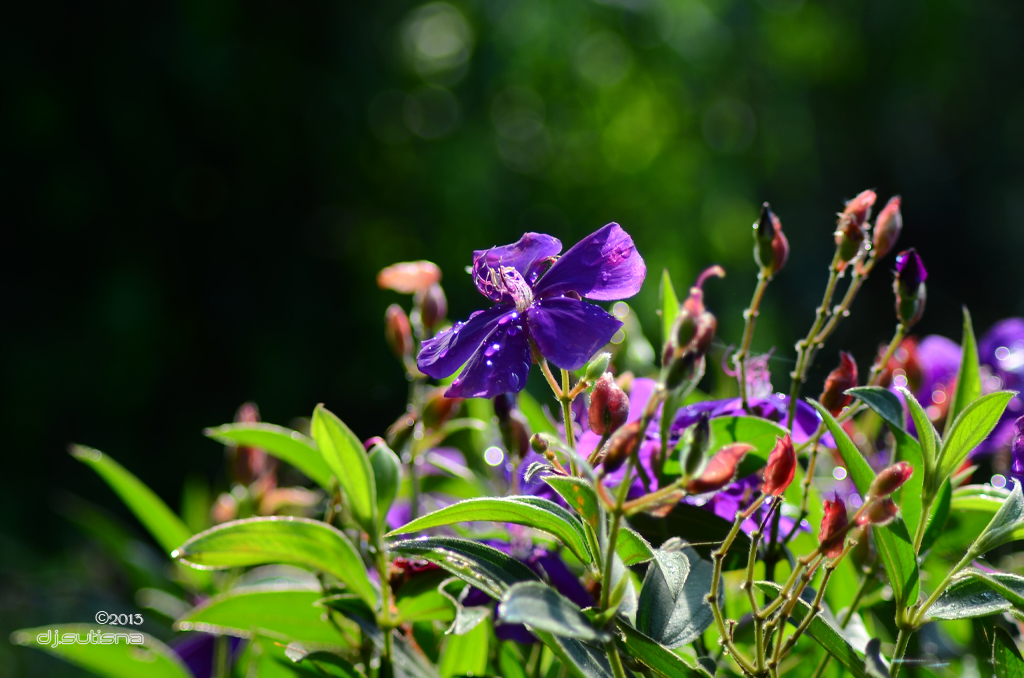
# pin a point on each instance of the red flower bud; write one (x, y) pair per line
(373, 442)
(850, 232)
(438, 409)
(781, 468)
(832, 525)
(720, 470)
(844, 377)
(903, 363)
(433, 306)
(859, 209)
(609, 406)
(879, 512)
(398, 331)
(887, 227)
(621, 446)
(250, 463)
(891, 479)
(771, 246)
(409, 277)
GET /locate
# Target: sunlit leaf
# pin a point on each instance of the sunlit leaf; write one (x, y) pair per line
(669, 305)
(968, 378)
(466, 655)
(673, 608)
(151, 658)
(755, 431)
(485, 567)
(940, 514)
(969, 429)
(287, 445)
(1006, 659)
(656, 656)
(542, 608)
(347, 459)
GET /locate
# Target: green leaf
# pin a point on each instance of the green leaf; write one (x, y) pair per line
(669, 305)
(466, 655)
(542, 608)
(420, 599)
(166, 527)
(883, 401)
(535, 512)
(673, 608)
(579, 494)
(656, 656)
(320, 662)
(287, 445)
(927, 436)
(345, 455)
(387, 475)
(940, 514)
(280, 539)
(894, 542)
(969, 429)
(287, 613)
(1007, 524)
(151, 658)
(632, 548)
(466, 617)
(582, 659)
(408, 661)
(1009, 586)
(823, 633)
(968, 597)
(1006, 659)
(485, 567)
(511, 663)
(968, 378)
(760, 433)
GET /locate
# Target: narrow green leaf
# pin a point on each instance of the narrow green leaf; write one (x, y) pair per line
(287, 445)
(656, 656)
(632, 548)
(151, 658)
(345, 455)
(883, 401)
(281, 612)
(1007, 523)
(387, 475)
(535, 512)
(511, 663)
(320, 662)
(1006, 659)
(673, 607)
(280, 539)
(968, 378)
(894, 542)
(825, 634)
(583, 660)
(927, 436)
(969, 429)
(1009, 586)
(968, 597)
(420, 599)
(485, 567)
(911, 495)
(669, 305)
(543, 608)
(166, 527)
(940, 514)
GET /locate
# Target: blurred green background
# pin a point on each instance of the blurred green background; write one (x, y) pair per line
(196, 197)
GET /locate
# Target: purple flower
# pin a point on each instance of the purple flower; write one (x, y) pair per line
(535, 301)
(910, 270)
(1017, 450)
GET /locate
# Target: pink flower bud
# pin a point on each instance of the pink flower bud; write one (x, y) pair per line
(832, 525)
(433, 306)
(621, 446)
(844, 377)
(888, 227)
(398, 331)
(409, 277)
(781, 468)
(859, 209)
(609, 406)
(850, 232)
(879, 513)
(891, 479)
(250, 462)
(771, 246)
(720, 469)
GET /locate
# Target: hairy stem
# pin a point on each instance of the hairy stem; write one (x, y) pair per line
(902, 640)
(850, 611)
(749, 320)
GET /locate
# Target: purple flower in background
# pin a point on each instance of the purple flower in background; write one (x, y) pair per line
(1017, 450)
(538, 301)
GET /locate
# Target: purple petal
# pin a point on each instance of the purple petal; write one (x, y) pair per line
(441, 356)
(1002, 349)
(939, 359)
(500, 364)
(527, 256)
(604, 266)
(568, 332)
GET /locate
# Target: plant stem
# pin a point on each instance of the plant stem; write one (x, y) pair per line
(902, 640)
(850, 611)
(749, 320)
(220, 659)
(805, 347)
(566, 399)
(922, 525)
(614, 659)
(384, 618)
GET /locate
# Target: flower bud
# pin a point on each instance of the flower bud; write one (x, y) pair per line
(890, 479)
(771, 248)
(373, 442)
(720, 469)
(879, 513)
(844, 377)
(686, 368)
(781, 468)
(909, 287)
(398, 331)
(598, 366)
(887, 227)
(1017, 450)
(249, 462)
(609, 406)
(859, 209)
(540, 442)
(698, 437)
(516, 435)
(409, 277)
(398, 433)
(433, 306)
(850, 232)
(620, 446)
(504, 403)
(438, 409)
(833, 524)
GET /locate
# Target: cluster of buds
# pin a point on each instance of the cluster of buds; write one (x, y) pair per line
(771, 248)
(422, 279)
(691, 336)
(850, 229)
(878, 510)
(909, 287)
(834, 398)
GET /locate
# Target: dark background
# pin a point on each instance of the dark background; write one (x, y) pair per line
(196, 196)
